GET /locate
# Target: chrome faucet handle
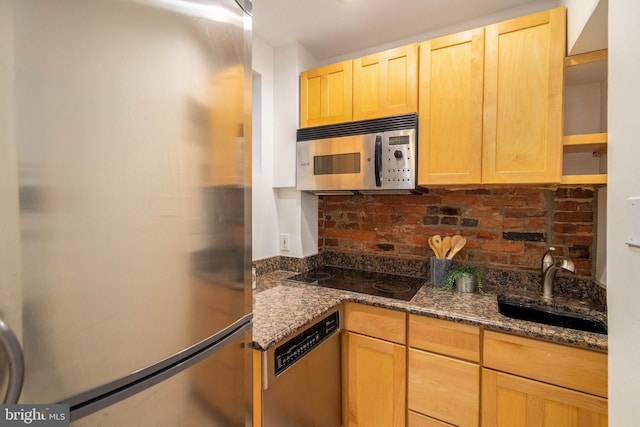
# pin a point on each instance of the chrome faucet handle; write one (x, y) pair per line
(550, 267)
(566, 264)
(548, 259)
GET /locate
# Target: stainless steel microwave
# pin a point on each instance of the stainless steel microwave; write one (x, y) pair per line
(368, 156)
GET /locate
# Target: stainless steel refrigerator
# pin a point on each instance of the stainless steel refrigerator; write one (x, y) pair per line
(125, 209)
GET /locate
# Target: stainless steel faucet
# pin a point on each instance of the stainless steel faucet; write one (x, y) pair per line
(550, 267)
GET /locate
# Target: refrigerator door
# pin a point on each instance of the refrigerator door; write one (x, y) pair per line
(124, 140)
(205, 394)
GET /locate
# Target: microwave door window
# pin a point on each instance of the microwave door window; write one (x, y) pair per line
(338, 171)
(336, 164)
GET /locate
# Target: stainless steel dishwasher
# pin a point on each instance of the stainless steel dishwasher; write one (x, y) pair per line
(301, 377)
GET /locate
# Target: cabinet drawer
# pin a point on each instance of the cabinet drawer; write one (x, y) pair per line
(388, 325)
(557, 364)
(444, 388)
(415, 419)
(445, 337)
(506, 398)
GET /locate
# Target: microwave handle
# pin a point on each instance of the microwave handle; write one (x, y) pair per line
(378, 161)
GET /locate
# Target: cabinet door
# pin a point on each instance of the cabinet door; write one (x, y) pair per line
(562, 365)
(444, 388)
(377, 322)
(386, 83)
(374, 382)
(510, 401)
(450, 105)
(522, 138)
(325, 95)
(445, 337)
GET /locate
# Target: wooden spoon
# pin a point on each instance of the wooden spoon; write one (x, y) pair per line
(446, 245)
(459, 245)
(455, 239)
(437, 243)
(433, 248)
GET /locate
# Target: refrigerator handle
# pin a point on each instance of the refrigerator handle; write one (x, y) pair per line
(15, 357)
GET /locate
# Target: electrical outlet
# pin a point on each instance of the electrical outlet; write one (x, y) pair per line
(284, 242)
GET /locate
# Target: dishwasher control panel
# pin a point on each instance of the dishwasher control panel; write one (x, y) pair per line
(293, 350)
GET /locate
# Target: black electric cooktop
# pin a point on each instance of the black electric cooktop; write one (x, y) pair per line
(365, 282)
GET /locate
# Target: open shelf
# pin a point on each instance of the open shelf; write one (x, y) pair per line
(587, 179)
(590, 142)
(585, 142)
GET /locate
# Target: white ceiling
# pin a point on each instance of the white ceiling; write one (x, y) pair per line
(333, 28)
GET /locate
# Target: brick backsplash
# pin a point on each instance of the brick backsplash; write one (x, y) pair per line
(504, 227)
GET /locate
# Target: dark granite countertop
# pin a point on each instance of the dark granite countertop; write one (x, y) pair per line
(282, 307)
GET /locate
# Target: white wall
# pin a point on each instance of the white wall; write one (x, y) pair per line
(265, 214)
(297, 211)
(277, 207)
(298, 217)
(275, 199)
(586, 26)
(289, 61)
(623, 269)
(581, 12)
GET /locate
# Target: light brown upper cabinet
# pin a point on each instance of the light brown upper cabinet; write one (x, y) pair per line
(386, 83)
(523, 89)
(491, 103)
(326, 94)
(450, 120)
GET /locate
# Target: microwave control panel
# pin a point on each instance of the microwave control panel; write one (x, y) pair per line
(399, 159)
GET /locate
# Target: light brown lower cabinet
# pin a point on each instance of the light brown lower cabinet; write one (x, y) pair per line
(444, 388)
(511, 401)
(374, 367)
(433, 375)
(527, 382)
(374, 382)
(444, 373)
(565, 366)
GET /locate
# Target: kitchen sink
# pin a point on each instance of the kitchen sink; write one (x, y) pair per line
(550, 316)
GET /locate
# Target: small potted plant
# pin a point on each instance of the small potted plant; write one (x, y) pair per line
(465, 277)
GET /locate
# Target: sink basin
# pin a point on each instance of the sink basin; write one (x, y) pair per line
(550, 316)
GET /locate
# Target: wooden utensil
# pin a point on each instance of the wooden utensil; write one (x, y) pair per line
(433, 248)
(455, 239)
(446, 245)
(437, 243)
(459, 245)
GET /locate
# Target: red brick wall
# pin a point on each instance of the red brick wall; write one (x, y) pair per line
(507, 227)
